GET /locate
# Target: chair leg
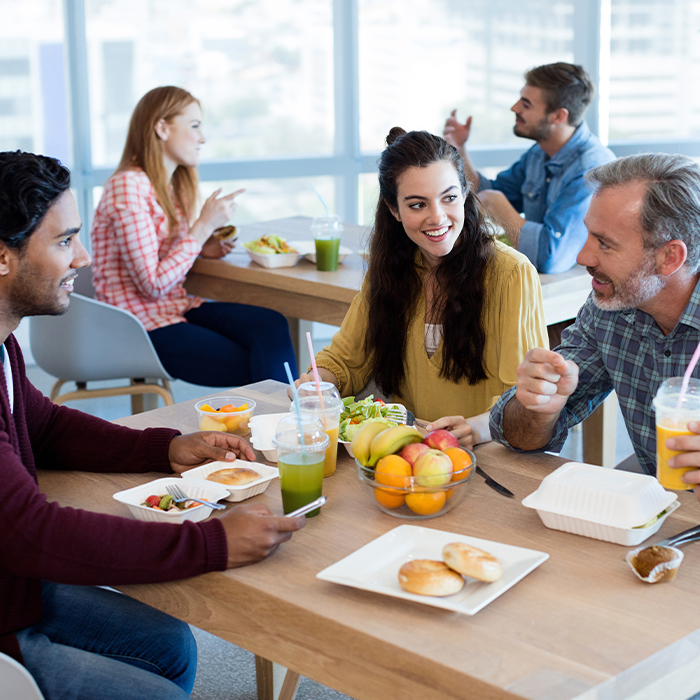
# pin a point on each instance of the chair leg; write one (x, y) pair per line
(55, 389)
(135, 390)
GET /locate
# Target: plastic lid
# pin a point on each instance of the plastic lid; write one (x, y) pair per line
(606, 496)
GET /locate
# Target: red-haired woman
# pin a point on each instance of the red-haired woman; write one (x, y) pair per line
(145, 238)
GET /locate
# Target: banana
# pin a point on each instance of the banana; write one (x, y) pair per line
(390, 441)
(362, 440)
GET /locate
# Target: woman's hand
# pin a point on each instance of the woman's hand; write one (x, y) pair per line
(323, 374)
(458, 426)
(216, 248)
(468, 431)
(215, 214)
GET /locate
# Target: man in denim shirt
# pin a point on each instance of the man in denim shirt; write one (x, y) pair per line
(546, 185)
(640, 325)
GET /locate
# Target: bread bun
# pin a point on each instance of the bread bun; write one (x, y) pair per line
(472, 562)
(235, 476)
(428, 577)
(225, 233)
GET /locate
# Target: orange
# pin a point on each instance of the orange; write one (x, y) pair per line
(207, 407)
(460, 463)
(426, 503)
(393, 470)
(230, 408)
(388, 499)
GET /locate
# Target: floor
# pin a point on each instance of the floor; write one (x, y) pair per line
(227, 672)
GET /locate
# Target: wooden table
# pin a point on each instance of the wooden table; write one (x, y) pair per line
(579, 626)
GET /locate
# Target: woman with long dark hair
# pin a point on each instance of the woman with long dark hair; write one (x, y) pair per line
(145, 237)
(446, 312)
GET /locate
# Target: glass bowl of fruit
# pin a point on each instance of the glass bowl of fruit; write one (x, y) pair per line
(415, 480)
(228, 414)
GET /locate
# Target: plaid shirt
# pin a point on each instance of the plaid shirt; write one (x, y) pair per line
(625, 351)
(137, 265)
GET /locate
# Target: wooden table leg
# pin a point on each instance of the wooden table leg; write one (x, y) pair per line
(599, 432)
(275, 682)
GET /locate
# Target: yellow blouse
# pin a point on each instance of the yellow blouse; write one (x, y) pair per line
(514, 323)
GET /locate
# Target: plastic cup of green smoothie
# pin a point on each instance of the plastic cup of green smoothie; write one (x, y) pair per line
(326, 231)
(300, 458)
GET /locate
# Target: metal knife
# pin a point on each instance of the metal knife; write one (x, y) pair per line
(494, 484)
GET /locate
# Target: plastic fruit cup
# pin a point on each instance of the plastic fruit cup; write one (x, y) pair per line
(235, 422)
(411, 500)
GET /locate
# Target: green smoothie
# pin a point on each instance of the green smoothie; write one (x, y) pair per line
(327, 254)
(301, 480)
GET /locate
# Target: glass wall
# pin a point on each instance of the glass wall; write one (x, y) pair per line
(33, 83)
(654, 69)
(419, 61)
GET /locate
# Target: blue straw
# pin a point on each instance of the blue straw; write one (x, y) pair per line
(296, 407)
(328, 216)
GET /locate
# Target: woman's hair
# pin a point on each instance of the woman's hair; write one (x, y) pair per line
(144, 149)
(394, 273)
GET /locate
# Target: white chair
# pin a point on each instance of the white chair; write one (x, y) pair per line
(94, 341)
(16, 683)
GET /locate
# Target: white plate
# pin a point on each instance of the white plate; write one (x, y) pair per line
(236, 493)
(375, 567)
(274, 260)
(308, 250)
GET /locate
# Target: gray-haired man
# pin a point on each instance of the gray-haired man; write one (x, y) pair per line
(641, 323)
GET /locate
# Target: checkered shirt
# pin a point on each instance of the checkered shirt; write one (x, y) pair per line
(137, 265)
(625, 351)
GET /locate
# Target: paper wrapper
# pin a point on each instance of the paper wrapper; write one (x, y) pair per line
(662, 572)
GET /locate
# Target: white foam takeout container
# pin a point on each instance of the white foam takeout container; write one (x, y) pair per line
(205, 490)
(605, 504)
(235, 493)
(273, 260)
(262, 432)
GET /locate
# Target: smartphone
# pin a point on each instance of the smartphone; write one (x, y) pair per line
(308, 507)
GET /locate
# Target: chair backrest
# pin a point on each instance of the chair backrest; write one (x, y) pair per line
(83, 283)
(16, 682)
(93, 341)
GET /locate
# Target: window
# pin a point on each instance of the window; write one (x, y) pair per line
(33, 88)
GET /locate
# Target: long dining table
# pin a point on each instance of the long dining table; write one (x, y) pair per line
(580, 625)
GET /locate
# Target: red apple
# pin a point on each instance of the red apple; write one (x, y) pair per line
(411, 452)
(432, 468)
(441, 440)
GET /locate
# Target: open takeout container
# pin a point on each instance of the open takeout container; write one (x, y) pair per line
(262, 433)
(236, 493)
(605, 504)
(205, 490)
(274, 260)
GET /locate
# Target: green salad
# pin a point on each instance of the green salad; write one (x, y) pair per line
(356, 413)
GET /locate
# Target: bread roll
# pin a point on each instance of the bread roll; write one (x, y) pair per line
(225, 233)
(235, 476)
(472, 562)
(428, 577)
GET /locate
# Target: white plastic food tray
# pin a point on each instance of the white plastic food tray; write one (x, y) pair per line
(604, 504)
(273, 260)
(235, 493)
(133, 498)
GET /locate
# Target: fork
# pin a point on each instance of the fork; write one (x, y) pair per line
(396, 412)
(179, 496)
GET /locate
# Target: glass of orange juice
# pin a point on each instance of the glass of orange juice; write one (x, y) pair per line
(672, 421)
(327, 409)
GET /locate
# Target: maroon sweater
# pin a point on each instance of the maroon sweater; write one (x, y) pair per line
(41, 540)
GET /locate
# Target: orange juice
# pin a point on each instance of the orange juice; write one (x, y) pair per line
(331, 452)
(670, 478)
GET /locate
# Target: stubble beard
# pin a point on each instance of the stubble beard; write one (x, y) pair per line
(640, 287)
